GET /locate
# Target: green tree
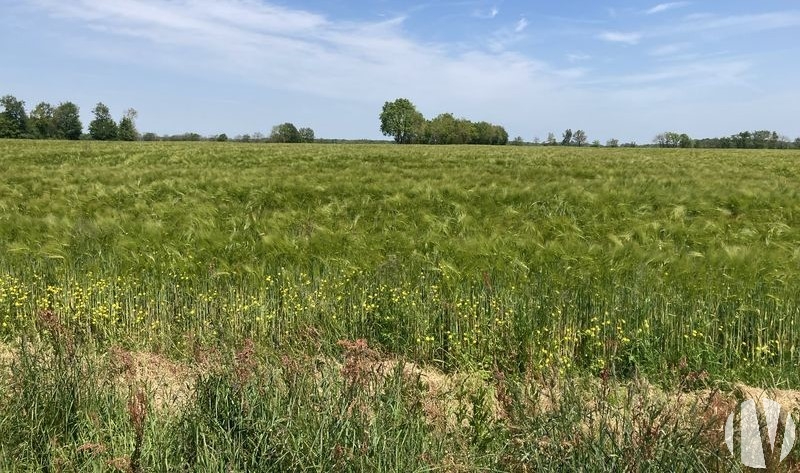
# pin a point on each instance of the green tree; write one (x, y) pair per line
(742, 140)
(127, 127)
(67, 121)
(612, 143)
(551, 139)
(673, 139)
(579, 138)
(13, 119)
(221, 137)
(776, 141)
(285, 133)
(566, 138)
(760, 139)
(306, 135)
(465, 132)
(401, 120)
(103, 127)
(684, 141)
(441, 130)
(500, 135)
(485, 134)
(42, 121)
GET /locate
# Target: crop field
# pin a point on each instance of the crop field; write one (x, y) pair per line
(239, 307)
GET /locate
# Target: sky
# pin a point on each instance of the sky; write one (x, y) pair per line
(616, 69)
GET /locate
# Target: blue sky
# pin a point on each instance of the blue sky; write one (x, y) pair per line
(619, 69)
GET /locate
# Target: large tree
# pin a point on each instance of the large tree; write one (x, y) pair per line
(306, 135)
(401, 120)
(579, 138)
(127, 127)
(103, 127)
(67, 121)
(441, 130)
(285, 133)
(566, 138)
(13, 119)
(499, 135)
(485, 134)
(743, 140)
(42, 122)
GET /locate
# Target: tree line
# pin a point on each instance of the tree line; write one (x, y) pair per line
(45, 121)
(63, 122)
(757, 139)
(401, 120)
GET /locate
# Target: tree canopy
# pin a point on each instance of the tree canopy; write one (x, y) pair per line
(127, 127)
(13, 119)
(41, 121)
(579, 138)
(566, 138)
(306, 135)
(285, 133)
(401, 120)
(103, 127)
(67, 121)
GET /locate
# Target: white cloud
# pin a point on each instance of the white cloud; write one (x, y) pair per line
(486, 15)
(301, 51)
(576, 57)
(662, 7)
(697, 16)
(669, 49)
(754, 22)
(503, 38)
(619, 37)
(710, 73)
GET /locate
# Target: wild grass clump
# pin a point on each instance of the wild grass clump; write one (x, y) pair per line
(294, 415)
(359, 411)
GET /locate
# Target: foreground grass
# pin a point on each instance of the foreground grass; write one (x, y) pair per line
(585, 270)
(69, 408)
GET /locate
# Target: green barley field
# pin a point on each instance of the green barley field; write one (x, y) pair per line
(389, 308)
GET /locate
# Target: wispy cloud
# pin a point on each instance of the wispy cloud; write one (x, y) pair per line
(739, 23)
(577, 57)
(486, 14)
(669, 49)
(620, 37)
(662, 7)
(698, 16)
(302, 51)
(506, 36)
